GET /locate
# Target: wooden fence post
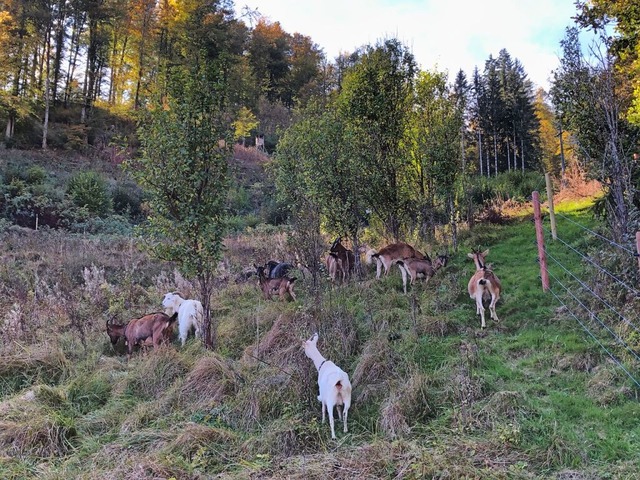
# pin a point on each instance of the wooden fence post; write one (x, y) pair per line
(638, 247)
(552, 212)
(542, 256)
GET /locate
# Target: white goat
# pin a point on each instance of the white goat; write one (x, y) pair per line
(190, 314)
(483, 283)
(335, 387)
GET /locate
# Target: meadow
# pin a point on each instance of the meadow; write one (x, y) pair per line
(434, 396)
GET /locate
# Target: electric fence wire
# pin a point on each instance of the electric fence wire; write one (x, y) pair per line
(586, 329)
(611, 242)
(599, 267)
(587, 287)
(593, 314)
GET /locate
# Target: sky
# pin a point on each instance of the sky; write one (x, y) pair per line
(447, 35)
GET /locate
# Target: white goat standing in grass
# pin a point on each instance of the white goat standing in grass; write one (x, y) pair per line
(335, 387)
(190, 314)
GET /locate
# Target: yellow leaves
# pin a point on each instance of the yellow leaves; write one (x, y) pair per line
(6, 24)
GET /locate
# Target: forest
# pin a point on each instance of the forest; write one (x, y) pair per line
(155, 146)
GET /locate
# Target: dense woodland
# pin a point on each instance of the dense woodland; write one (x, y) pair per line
(76, 73)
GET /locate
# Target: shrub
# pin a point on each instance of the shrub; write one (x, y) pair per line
(239, 200)
(127, 200)
(25, 204)
(35, 175)
(89, 190)
(111, 225)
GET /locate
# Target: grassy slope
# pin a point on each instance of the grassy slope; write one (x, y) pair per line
(434, 396)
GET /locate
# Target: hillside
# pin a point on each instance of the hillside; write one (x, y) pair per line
(434, 395)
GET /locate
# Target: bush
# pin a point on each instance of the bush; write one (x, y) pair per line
(89, 190)
(25, 204)
(35, 175)
(127, 200)
(111, 225)
(239, 200)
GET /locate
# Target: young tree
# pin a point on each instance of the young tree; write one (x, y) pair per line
(269, 51)
(375, 102)
(245, 122)
(186, 144)
(590, 102)
(435, 144)
(316, 172)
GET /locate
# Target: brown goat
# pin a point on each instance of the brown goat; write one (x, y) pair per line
(165, 339)
(484, 284)
(270, 286)
(346, 256)
(420, 268)
(393, 253)
(139, 331)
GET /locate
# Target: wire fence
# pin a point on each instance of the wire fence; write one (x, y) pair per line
(598, 294)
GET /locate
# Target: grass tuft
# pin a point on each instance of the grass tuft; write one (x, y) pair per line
(209, 383)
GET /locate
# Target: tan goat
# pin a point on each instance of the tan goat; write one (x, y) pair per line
(420, 268)
(335, 267)
(279, 286)
(484, 284)
(391, 254)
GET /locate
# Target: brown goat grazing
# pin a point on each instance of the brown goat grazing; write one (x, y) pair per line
(345, 255)
(420, 268)
(165, 339)
(270, 286)
(392, 253)
(138, 331)
(484, 284)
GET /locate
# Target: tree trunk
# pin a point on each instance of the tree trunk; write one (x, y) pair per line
(563, 181)
(480, 152)
(495, 154)
(74, 43)
(57, 61)
(91, 72)
(209, 334)
(47, 88)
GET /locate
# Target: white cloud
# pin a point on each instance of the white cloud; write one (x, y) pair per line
(450, 35)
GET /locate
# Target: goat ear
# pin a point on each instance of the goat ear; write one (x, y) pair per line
(470, 255)
(485, 253)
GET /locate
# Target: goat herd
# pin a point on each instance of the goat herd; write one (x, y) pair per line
(335, 388)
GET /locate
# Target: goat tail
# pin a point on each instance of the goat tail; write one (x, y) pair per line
(482, 281)
(368, 256)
